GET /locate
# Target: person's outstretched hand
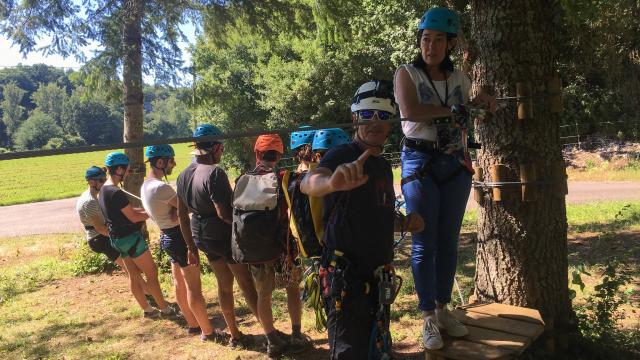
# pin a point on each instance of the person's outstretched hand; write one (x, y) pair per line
(350, 175)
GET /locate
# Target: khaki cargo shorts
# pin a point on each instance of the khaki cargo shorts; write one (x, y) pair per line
(264, 277)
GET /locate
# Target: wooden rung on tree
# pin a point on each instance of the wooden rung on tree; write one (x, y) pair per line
(525, 101)
(478, 193)
(498, 174)
(528, 174)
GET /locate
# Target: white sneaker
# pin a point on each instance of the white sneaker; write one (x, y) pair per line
(450, 324)
(431, 334)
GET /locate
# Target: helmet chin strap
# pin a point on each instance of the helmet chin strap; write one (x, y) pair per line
(121, 176)
(164, 171)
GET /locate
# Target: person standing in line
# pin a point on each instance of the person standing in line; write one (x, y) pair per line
(124, 224)
(260, 223)
(88, 210)
(160, 202)
(204, 191)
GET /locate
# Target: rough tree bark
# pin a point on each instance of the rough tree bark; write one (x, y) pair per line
(133, 95)
(522, 246)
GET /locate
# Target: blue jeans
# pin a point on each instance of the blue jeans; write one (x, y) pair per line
(434, 251)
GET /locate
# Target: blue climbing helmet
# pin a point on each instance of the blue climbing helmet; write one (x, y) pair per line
(302, 137)
(440, 19)
(326, 139)
(116, 159)
(159, 151)
(206, 130)
(94, 172)
(204, 147)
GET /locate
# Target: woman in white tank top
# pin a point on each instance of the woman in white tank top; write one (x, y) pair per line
(436, 183)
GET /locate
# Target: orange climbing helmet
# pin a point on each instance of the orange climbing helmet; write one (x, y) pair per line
(268, 142)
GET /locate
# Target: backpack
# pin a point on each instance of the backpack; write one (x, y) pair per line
(256, 230)
(302, 212)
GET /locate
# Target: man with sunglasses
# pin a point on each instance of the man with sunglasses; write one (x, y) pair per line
(357, 185)
(91, 218)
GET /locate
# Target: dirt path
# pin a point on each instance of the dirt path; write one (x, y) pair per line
(59, 216)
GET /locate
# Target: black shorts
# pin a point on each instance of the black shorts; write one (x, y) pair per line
(172, 242)
(102, 245)
(212, 237)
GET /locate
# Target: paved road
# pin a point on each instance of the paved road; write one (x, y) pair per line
(59, 216)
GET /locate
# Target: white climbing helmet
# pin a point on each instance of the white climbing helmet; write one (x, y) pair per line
(375, 95)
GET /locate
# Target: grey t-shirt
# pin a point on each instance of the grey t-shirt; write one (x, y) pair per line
(199, 186)
(89, 211)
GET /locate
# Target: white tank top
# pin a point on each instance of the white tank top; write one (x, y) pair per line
(459, 88)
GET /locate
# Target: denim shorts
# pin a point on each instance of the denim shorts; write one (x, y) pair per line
(172, 242)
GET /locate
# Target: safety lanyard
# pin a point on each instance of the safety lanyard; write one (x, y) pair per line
(446, 89)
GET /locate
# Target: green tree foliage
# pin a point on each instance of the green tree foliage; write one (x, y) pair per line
(12, 111)
(36, 131)
(169, 117)
(134, 37)
(29, 78)
(64, 141)
(95, 121)
(600, 64)
(50, 99)
(72, 26)
(86, 115)
(301, 65)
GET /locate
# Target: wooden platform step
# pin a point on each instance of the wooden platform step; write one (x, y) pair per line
(496, 332)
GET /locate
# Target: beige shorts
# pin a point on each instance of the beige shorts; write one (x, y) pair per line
(263, 277)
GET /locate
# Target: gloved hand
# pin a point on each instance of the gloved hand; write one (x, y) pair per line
(461, 115)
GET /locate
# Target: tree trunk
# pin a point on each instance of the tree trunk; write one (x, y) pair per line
(133, 95)
(522, 246)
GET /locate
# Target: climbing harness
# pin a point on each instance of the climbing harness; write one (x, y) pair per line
(312, 294)
(389, 285)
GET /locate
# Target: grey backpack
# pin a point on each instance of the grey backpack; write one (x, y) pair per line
(256, 228)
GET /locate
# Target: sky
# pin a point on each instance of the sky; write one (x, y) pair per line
(11, 54)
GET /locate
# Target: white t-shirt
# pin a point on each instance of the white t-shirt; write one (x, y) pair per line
(155, 195)
(459, 88)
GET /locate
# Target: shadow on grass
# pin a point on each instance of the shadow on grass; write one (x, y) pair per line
(598, 249)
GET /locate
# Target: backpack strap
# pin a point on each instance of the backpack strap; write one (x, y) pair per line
(285, 189)
(292, 222)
